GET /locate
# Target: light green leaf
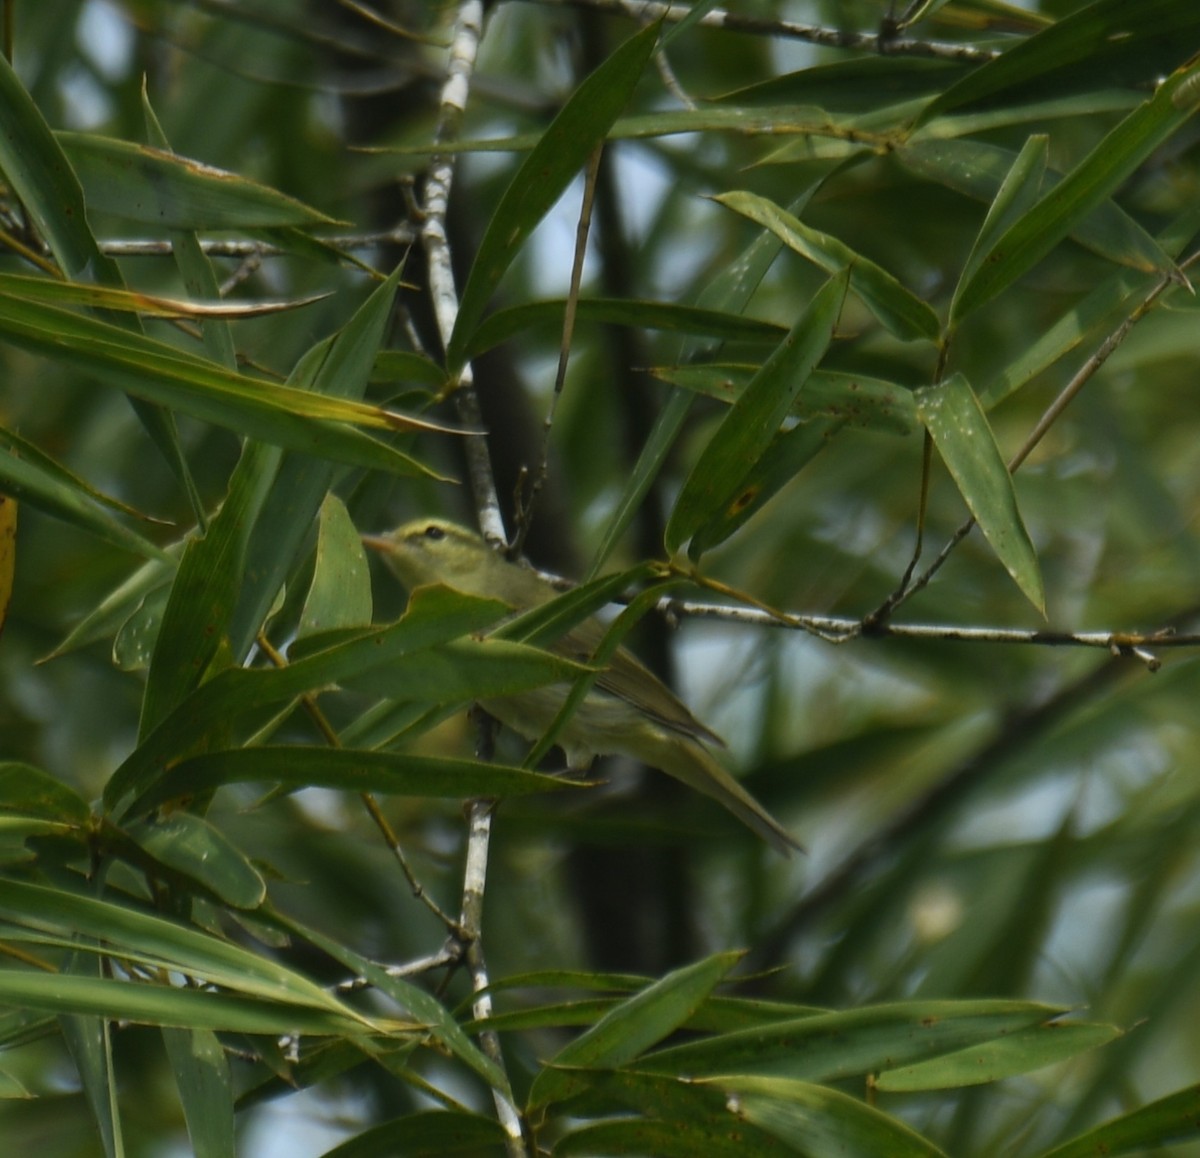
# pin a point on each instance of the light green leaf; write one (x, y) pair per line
(337, 368)
(900, 310)
(166, 1005)
(857, 399)
(160, 373)
(826, 1046)
(201, 1073)
(340, 593)
(46, 184)
(190, 845)
(633, 1026)
(161, 189)
(41, 483)
(964, 439)
(160, 943)
(1019, 1053)
(30, 791)
(1018, 191)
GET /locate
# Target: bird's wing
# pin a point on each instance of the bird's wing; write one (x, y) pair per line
(629, 679)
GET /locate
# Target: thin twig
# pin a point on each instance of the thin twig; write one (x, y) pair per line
(442, 289)
(527, 495)
(788, 29)
(836, 629)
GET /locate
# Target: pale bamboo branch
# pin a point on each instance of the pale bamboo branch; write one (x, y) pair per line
(463, 50)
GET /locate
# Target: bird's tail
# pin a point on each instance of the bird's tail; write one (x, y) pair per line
(691, 763)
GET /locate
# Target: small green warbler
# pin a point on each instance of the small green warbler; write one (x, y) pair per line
(629, 710)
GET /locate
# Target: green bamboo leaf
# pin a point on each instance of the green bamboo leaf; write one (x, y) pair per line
(115, 608)
(43, 179)
(964, 439)
(153, 370)
(293, 767)
(897, 308)
(89, 1040)
(426, 1008)
(337, 368)
(778, 121)
(161, 189)
(1103, 39)
(158, 942)
(193, 264)
(404, 366)
(698, 1115)
(1017, 193)
(715, 325)
(856, 399)
(188, 844)
(854, 84)
(715, 482)
(679, 1138)
(340, 592)
(1175, 1118)
(1114, 159)
(1069, 331)
(826, 1046)
(11, 1087)
(465, 670)
(39, 481)
(727, 293)
(822, 1122)
(434, 615)
(28, 790)
(201, 1072)
(788, 453)
(427, 1134)
(1020, 1053)
(977, 169)
(633, 1026)
(578, 129)
(46, 184)
(117, 299)
(166, 1005)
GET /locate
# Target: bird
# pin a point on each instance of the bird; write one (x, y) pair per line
(629, 711)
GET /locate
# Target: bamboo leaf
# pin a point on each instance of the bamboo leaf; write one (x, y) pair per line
(161, 189)
(901, 311)
(564, 147)
(633, 1026)
(1114, 159)
(715, 484)
(964, 439)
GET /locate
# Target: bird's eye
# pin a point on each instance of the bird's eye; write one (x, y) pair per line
(433, 531)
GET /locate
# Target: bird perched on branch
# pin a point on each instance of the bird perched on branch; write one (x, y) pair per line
(629, 710)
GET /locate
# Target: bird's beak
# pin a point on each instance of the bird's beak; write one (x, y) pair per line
(376, 542)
